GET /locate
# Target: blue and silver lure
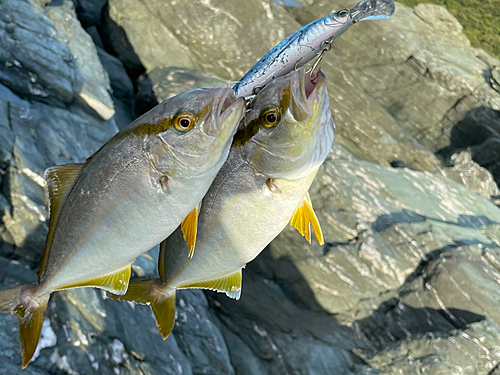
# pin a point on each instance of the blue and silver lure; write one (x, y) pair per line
(312, 40)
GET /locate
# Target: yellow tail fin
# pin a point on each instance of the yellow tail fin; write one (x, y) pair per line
(30, 313)
(150, 292)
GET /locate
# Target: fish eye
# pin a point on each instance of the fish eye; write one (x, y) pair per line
(184, 121)
(271, 116)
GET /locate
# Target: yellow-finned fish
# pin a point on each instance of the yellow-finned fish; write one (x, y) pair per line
(126, 198)
(282, 141)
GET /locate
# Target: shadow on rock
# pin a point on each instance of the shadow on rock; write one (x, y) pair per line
(478, 129)
(117, 43)
(384, 222)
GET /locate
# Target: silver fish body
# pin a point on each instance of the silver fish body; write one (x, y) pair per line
(282, 141)
(305, 44)
(127, 197)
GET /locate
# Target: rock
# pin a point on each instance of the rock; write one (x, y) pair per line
(163, 83)
(467, 170)
(148, 44)
(495, 78)
(439, 18)
(89, 11)
(121, 84)
(93, 88)
(28, 32)
(96, 37)
(167, 33)
(407, 279)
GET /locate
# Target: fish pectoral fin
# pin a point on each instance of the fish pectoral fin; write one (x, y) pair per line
(230, 284)
(60, 180)
(116, 282)
(149, 292)
(189, 229)
(304, 217)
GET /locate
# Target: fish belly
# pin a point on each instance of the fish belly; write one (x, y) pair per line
(239, 224)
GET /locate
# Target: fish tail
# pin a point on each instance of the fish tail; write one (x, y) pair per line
(30, 311)
(152, 293)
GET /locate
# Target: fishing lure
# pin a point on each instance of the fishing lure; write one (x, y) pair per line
(312, 40)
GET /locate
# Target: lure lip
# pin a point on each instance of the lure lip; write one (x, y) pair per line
(372, 10)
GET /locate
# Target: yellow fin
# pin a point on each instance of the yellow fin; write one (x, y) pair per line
(60, 180)
(116, 283)
(304, 217)
(189, 229)
(231, 285)
(30, 327)
(30, 311)
(149, 292)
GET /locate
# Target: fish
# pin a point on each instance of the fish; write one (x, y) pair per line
(281, 142)
(305, 44)
(125, 199)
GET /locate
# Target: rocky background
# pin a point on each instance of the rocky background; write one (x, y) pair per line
(408, 281)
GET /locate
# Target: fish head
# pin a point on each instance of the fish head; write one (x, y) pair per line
(197, 133)
(287, 131)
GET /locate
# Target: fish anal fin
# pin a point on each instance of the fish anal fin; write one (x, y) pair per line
(30, 328)
(189, 229)
(230, 284)
(60, 180)
(150, 292)
(304, 218)
(116, 282)
(164, 311)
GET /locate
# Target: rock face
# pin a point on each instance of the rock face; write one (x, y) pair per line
(407, 282)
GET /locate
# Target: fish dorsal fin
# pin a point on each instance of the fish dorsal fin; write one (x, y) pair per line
(230, 284)
(116, 282)
(60, 180)
(304, 217)
(189, 229)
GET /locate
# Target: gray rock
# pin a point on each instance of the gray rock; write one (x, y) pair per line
(162, 83)
(121, 84)
(438, 17)
(89, 11)
(140, 40)
(28, 32)
(96, 37)
(93, 86)
(495, 78)
(407, 279)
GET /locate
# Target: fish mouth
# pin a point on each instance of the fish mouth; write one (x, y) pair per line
(223, 108)
(311, 88)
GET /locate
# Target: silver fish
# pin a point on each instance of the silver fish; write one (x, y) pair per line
(263, 186)
(126, 198)
(302, 46)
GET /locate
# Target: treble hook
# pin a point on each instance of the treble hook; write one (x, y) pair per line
(312, 71)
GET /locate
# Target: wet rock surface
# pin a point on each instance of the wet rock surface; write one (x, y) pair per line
(407, 281)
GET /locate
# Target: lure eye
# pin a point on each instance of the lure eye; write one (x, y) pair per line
(343, 13)
(271, 116)
(184, 122)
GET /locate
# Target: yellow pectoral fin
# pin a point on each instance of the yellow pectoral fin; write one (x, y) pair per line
(189, 229)
(304, 217)
(116, 283)
(230, 284)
